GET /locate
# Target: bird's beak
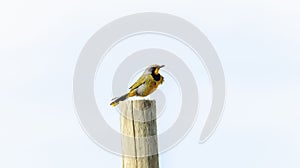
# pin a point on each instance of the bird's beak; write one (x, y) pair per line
(158, 68)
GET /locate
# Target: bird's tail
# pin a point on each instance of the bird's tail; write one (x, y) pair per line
(118, 99)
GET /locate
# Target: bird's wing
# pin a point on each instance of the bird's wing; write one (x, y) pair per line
(139, 82)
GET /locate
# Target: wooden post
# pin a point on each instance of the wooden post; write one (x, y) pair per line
(139, 134)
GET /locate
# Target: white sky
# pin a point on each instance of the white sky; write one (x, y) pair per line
(257, 42)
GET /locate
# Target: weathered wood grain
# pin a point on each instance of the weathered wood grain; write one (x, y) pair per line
(139, 140)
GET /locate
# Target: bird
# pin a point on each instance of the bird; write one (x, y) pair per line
(147, 83)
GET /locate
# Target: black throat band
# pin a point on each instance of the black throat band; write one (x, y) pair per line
(156, 77)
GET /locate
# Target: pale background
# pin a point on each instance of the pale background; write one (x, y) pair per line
(257, 42)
